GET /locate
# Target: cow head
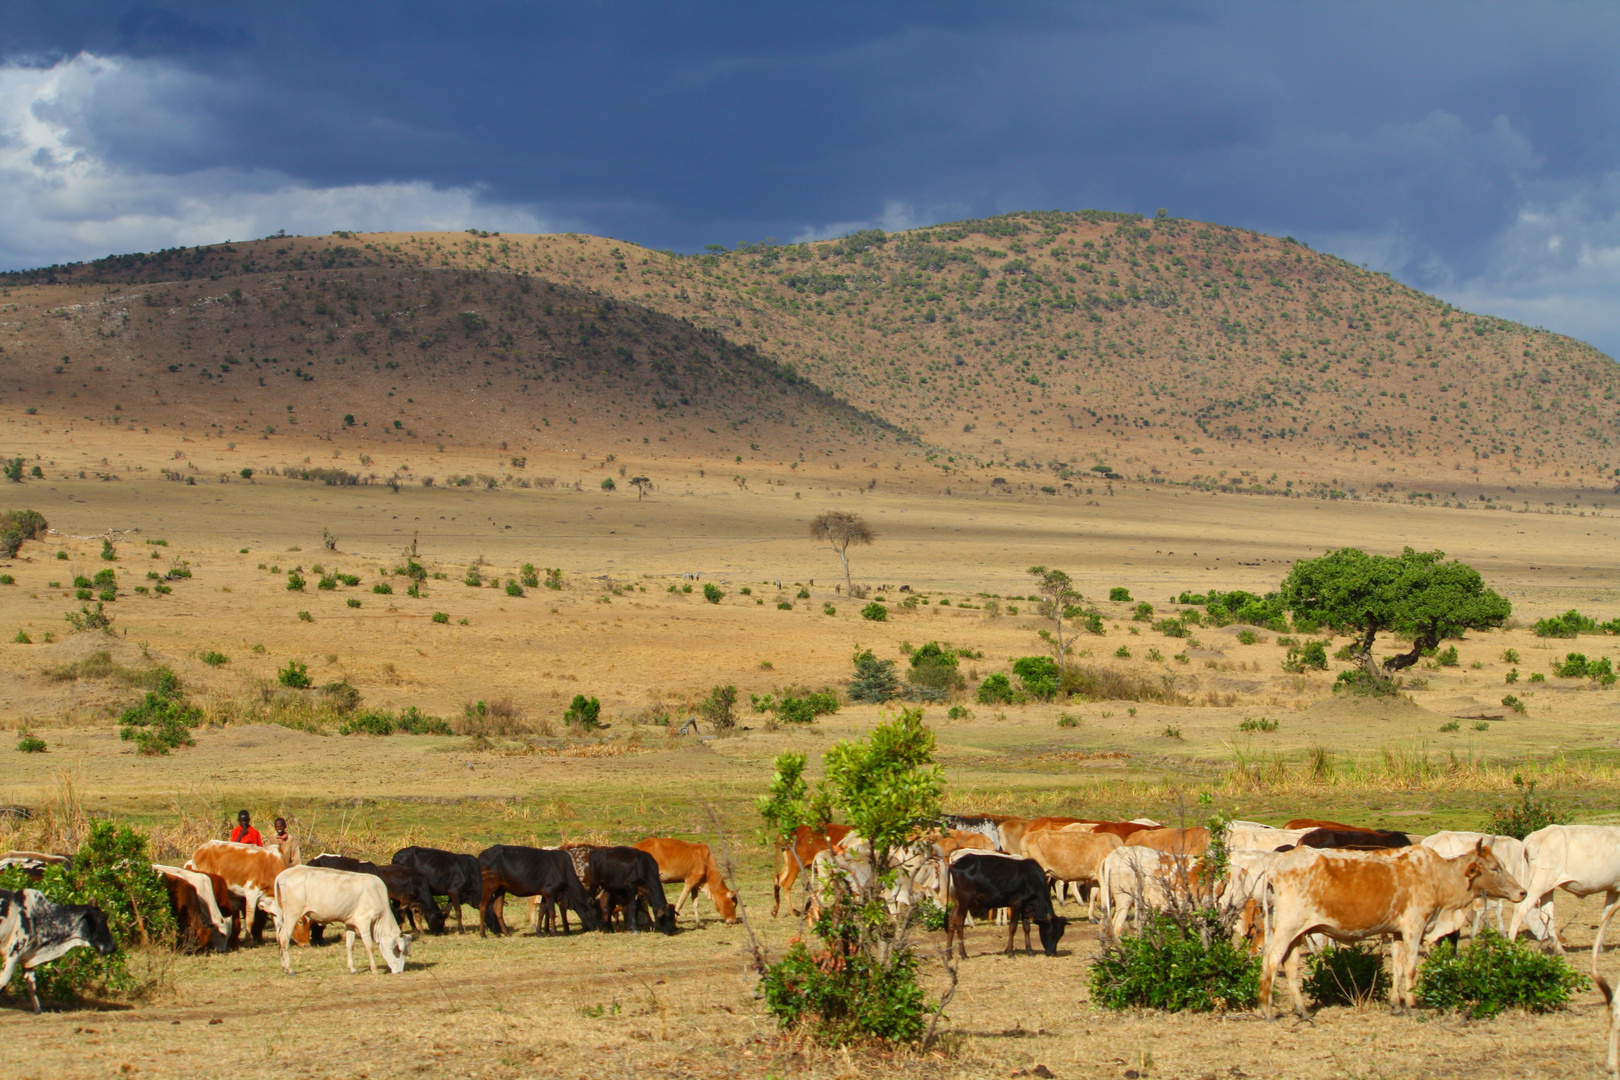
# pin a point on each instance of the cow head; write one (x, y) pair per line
(665, 920)
(92, 929)
(1488, 877)
(1052, 932)
(727, 906)
(591, 919)
(395, 952)
(435, 921)
(217, 940)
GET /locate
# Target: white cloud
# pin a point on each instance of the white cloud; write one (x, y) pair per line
(65, 199)
(897, 216)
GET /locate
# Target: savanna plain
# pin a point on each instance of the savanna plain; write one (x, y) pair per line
(600, 1005)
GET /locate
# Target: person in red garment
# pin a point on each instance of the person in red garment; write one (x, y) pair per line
(245, 833)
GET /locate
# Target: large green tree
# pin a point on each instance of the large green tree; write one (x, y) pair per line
(1418, 593)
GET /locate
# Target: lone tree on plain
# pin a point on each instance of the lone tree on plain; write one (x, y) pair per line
(1415, 593)
(642, 486)
(1057, 596)
(839, 530)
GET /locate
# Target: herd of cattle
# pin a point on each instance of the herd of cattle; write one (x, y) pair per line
(1285, 889)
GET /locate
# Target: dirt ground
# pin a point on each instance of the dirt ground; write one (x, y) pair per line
(596, 1005)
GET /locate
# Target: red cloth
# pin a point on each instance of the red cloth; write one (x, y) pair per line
(246, 834)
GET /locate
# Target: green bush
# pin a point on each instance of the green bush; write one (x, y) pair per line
(85, 619)
(107, 551)
(368, 723)
(214, 659)
(513, 589)
(412, 721)
(295, 676)
(1172, 628)
(583, 713)
(304, 616)
(933, 672)
(7, 579)
(1529, 814)
(31, 744)
(528, 576)
(1169, 966)
(1039, 674)
(1576, 666)
(22, 638)
(828, 609)
(328, 583)
(353, 601)
(801, 709)
(712, 592)
(1360, 681)
(1306, 656)
(382, 588)
(1570, 624)
(996, 689)
(442, 617)
(875, 612)
(719, 707)
(875, 681)
(1346, 975)
(162, 721)
(1494, 974)
(1120, 594)
(846, 999)
(1257, 723)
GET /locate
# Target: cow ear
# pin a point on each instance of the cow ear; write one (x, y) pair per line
(1479, 846)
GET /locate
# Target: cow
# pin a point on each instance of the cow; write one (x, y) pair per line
(1313, 823)
(1071, 857)
(1580, 859)
(1136, 875)
(455, 877)
(1510, 851)
(793, 857)
(1122, 829)
(982, 883)
(34, 862)
(1354, 839)
(627, 878)
(358, 901)
(249, 871)
(408, 893)
(985, 825)
(542, 912)
(202, 926)
(691, 864)
(1193, 841)
(957, 840)
(1252, 836)
(34, 930)
(527, 871)
(849, 865)
(1355, 895)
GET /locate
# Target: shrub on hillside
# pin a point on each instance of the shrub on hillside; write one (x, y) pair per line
(1039, 674)
(294, 676)
(1177, 968)
(719, 708)
(1306, 656)
(996, 689)
(875, 612)
(1494, 974)
(933, 672)
(1528, 815)
(875, 681)
(584, 713)
(713, 593)
(1570, 624)
(1119, 594)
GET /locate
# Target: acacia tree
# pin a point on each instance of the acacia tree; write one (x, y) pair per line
(1416, 593)
(1057, 595)
(642, 485)
(839, 530)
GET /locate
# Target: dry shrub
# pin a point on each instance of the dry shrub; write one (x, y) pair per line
(496, 717)
(58, 825)
(1219, 700)
(1092, 683)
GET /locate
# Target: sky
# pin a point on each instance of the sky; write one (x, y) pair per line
(1471, 150)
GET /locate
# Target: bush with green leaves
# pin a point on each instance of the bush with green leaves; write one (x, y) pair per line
(31, 744)
(1177, 967)
(1346, 975)
(295, 676)
(996, 689)
(382, 588)
(528, 576)
(1576, 666)
(441, 617)
(295, 581)
(514, 589)
(86, 619)
(1306, 656)
(214, 659)
(1119, 594)
(719, 707)
(875, 612)
(797, 708)
(1570, 624)
(584, 713)
(1529, 814)
(1493, 974)
(875, 680)
(1039, 676)
(933, 672)
(846, 999)
(162, 721)
(17, 526)
(713, 593)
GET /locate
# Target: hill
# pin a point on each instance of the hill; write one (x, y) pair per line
(1168, 350)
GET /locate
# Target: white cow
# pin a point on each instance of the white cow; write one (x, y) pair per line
(358, 901)
(1510, 853)
(1581, 860)
(1143, 877)
(205, 891)
(1252, 836)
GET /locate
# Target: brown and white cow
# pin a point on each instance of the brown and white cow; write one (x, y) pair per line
(358, 901)
(1136, 879)
(203, 926)
(1356, 895)
(794, 856)
(692, 864)
(249, 871)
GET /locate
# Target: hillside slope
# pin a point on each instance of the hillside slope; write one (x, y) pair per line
(1165, 349)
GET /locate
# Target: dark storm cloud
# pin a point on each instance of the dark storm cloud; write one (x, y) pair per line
(1468, 148)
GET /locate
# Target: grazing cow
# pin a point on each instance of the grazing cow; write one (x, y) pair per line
(1510, 852)
(1122, 829)
(34, 930)
(1355, 895)
(1071, 857)
(527, 871)
(249, 871)
(1355, 839)
(1136, 876)
(691, 864)
(956, 840)
(1313, 823)
(981, 883)
(986, 825)
(1194, 841)
(1580, 859)
(33, 862)
(196, 910)
(1252, 836)
(455, 877)
(358, 901)
(914, 865)
(629, 877)
(408, 893)
(793, 857)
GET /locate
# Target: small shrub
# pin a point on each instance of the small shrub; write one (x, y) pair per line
(108, 553)
(784, 605)
(1039, 675)
(528, 576)
(1448, 658)
(712, 592)
(1067, 719)
(295, 581)
(1531, 813)
(1494, 974)
(85, 619)
(22, 638)
(1511, 677)
(875, 680)
(1346, 975)
(996, 689)
(1168, 966)
(1172, 731)
(1361, 682)
(1257, 723)
(161, 722)
(83, 594)
(554, 579)
(30, 744)
(513, 589)
(1123, 652)
(584, 713)
(1246, 637)
(442, 617)
(828, 609)
(473, 579)
(1172, 628)
(845, 999)
(382, 588)
(295, 676)
(1513, 703)
(343, 696)
(959, 712)
(608, 484)
(1570, 624)
(875, 612)
(1510, 656)
(1451, 725)
(1481, 725)
(719, 707)
(370, 723)
(1537, 677)
(1119, 594)
(304, 616)
(214, 659)
(353, 601)
(803, 593)
(415, 722)
(328, 583)
(7, 579)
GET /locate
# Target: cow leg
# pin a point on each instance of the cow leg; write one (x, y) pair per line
(284, 934)
(1012, 932)
(368, 941)
(348, 945)
(1614, 1036)
(1536, 893)
(1611, 900)
(1279, 947)
(33, 989)
(1292, 967)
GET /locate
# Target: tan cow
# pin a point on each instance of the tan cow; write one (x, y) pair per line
(1356, 895)
(249, 871)
(794, 857)
(1071, 857)
(1193, 841)
(1136, 879)
(692, 864)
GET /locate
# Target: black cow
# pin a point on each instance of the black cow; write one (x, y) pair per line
(982, 883)
(447, 874)
(627, 877)
(36, 930)
(528, 871)
(407, 892)
(1355, 840)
